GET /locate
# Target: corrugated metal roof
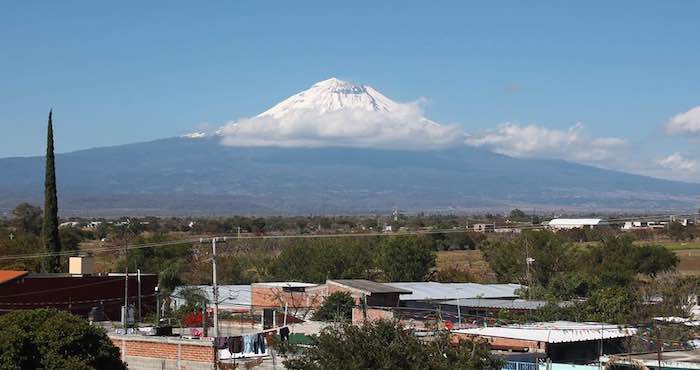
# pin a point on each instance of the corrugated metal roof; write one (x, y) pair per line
(230, 296)
(444, 291)
(7, 275)
(554, 331)
(287, 284)
(508, 304)
(369, 287)
(575, 221)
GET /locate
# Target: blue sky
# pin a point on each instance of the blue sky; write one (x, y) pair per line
(135, 71)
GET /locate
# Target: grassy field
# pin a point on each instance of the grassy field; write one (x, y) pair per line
(677, 246)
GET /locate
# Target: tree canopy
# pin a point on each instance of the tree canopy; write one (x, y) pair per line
(52, 339)
(337, 306)
(388, 345)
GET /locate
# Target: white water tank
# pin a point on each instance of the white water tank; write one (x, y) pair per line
(81, 265)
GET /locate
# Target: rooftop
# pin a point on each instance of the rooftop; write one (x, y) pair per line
(286, 284)
(576, 221)
(553, 331)
(444, 291)
(669, 359)
(369, 287)
(509, 304)
(230, 296)
(7, 275)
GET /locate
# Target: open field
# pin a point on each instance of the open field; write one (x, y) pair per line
(678, 246)
(471, 261)
(690, 261)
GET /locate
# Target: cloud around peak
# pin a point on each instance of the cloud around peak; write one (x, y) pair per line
(402, 128)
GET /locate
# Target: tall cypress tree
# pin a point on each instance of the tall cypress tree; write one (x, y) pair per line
(52, 241)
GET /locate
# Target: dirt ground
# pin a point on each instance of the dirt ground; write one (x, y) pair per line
(690, 261)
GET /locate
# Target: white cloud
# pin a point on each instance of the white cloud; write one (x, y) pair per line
(687, 123)
(536, 141)
(403, 128)
(676, 162)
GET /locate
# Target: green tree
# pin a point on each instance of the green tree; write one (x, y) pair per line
(518, 215)
(318, 260)
(551, 253)
(52, 339)
(619, 305)
(388, 345)
(27, 218)
(405, 258)
(336, 307)
(612, 261)
(653, 259)
(52, 241)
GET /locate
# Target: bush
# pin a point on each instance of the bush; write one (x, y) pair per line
(52, 339)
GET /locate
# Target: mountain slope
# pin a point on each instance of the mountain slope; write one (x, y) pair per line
(186, 176)
(336, 147)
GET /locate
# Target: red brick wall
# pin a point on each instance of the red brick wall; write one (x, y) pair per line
(164, 349)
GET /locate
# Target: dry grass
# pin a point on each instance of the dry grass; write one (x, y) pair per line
(690, 261)
(472, 262)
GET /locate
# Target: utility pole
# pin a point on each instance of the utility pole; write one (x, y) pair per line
(138, 282)
(125, 311)
(658, 345)
(215, 287)
(528, 261)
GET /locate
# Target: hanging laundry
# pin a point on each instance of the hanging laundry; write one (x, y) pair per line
(235, 344)
(221, 342)
(256, 344)
(248, 344)
(284, 334)
(261, 340)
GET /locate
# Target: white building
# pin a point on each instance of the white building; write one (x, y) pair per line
(577, 223)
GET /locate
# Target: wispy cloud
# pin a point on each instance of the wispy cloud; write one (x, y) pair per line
(677, 163)
(686, 123)
(518, 140)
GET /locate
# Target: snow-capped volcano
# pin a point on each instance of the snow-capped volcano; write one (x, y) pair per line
(341, 114)
(332, 95)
